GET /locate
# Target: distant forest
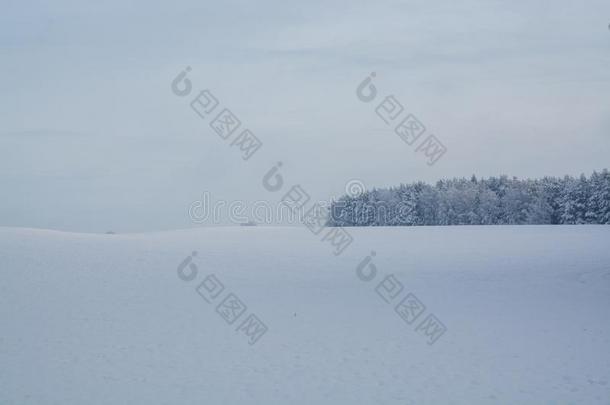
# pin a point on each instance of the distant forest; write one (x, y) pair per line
(492, 201)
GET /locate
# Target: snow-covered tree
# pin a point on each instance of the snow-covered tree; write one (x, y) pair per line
(497, 200)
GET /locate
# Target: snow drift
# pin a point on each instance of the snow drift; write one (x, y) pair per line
(109, 318)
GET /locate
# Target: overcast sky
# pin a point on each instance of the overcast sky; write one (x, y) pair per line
(92, 137)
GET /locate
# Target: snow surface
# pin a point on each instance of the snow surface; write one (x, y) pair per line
(95, 319)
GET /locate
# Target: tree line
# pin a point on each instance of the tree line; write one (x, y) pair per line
(493, 201)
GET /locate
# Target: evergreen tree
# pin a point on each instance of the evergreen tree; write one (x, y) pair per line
(497, 200)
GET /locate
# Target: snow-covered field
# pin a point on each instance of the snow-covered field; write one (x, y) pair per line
(105, 319)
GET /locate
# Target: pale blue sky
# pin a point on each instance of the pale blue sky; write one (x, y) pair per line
(91, 137)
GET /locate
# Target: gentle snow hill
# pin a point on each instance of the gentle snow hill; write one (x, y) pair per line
(104, 319)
